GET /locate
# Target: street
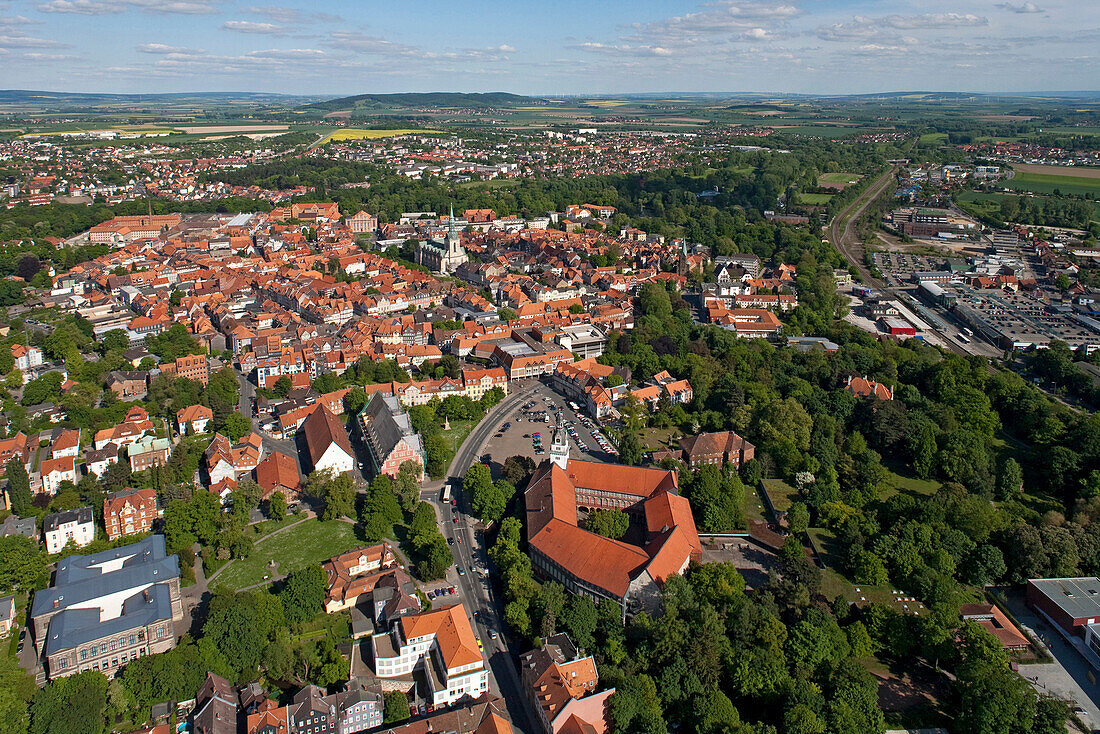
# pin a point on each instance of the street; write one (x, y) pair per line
(473, 585)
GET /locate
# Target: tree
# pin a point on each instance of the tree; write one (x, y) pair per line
(236, 426)
(798, 518)
(608, 523)
(407, 487)
(19, 486)
(303, 594)
(992, 699)
(517, 469)
(580, 619)
(340, 498)
(178, 528)
(73, 705)
(276, 506)
(282, 386)
(23, 565)
(396, 708)
(246, 497)
(1010, 479)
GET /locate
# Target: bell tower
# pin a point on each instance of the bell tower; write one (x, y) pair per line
(559, 448)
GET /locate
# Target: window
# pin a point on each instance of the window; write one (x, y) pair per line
(131, 639)
(103, 648)
(61, 662)
(160, 633)
(114, 645)
(84, 654)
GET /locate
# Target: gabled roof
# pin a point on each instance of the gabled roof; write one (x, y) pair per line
(322, 429)
(453, 635)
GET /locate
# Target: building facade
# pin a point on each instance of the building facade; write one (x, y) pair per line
(129, 512)
(106, 609)
(70, 525)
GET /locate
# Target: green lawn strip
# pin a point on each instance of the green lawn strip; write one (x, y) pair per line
(782, 494)
(304, 544)
(814, 199)
(838, 179)
(1046, 183)
(754, 506)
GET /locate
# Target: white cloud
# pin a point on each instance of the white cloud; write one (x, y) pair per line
(160, 49)
(18, 39)
(248, 26)
(364, 44)
(104, 7)
(280, 14)
(1024, 8)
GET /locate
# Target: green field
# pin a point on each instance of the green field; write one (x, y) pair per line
(1046, 183)
(838, 179)
(933, 138)
(309, 542)
(814, 199)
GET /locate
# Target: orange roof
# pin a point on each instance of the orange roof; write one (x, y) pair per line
(276, 471)
(453, 634)
(618, 478)
(606, 563)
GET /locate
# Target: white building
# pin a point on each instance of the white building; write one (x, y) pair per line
(75, 525)
(440, 643)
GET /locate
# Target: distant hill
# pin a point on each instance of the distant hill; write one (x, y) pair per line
(476, 100)
(70, 100)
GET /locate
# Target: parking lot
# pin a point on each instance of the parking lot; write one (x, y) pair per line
(528, 430)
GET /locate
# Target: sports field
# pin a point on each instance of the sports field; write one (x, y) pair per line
(365, 134)
(814, 199)
(838, 180)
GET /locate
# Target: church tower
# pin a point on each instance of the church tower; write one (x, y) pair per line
(559, 449)
(454, 242)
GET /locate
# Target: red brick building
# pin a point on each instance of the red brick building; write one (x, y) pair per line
(129, 511)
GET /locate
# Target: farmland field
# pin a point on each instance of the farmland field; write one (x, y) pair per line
(1058, 171)
(1046, 183)
(364, 134)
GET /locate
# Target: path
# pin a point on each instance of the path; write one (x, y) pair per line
(308, 514)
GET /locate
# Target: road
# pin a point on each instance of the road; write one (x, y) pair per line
(474, 588)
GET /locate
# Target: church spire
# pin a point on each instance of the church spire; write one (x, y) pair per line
(451, 220)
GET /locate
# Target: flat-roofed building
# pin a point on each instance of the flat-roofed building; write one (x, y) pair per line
(1070, 603)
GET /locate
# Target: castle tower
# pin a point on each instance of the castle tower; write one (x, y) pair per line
(559, 448)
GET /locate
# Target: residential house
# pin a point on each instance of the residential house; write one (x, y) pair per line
(128, 386)
(26, 357)
(66, 442)
(389, 436)
(561, 685)
(68, 525)
(54, 471)
(96, 461)
(344, 570)
(216, 707)
(7, 614)
(190, 367)
(279, 473)
(718, 449)
(148, 452)
(129, 511)
(861, 387)
(193, 419)
(224, 460)
(14, 525)
(440, 643)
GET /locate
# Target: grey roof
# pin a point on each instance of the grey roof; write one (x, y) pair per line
(80, 515)
(80, 579)
(75, 627)
(7, 605)
(388, 423)
(1077, 597)
(13, 525)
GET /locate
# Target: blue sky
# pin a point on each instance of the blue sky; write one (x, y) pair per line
(550, 46)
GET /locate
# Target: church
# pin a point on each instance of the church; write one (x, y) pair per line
(443, 257)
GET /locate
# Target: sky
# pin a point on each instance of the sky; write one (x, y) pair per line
(549, 47)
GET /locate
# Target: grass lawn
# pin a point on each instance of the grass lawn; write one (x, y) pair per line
(911, 485)
(307, 543)
(455, 435)
(782, 494)
(495, 183)
(754, 506)
(839, 180)
(814, 199)
(658, 438)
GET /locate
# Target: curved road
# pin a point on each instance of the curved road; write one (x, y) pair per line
(475, 589)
